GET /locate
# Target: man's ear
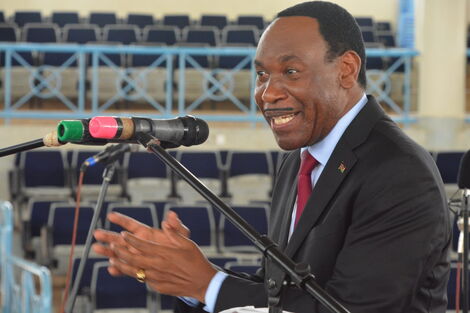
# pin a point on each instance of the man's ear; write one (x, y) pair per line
(350, 67)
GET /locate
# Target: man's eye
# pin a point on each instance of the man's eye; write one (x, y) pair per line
(292, 71)
(260, 73)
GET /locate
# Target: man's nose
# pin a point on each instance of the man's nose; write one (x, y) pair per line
(274, 91)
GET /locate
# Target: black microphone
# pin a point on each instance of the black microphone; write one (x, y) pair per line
(186, 131)
(108, 155)
(463, 177)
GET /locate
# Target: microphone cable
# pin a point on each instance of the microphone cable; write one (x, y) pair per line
(72, 245)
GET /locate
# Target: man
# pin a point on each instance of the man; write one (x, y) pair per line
(375, 229)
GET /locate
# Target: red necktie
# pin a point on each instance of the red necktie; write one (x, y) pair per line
(304, 182)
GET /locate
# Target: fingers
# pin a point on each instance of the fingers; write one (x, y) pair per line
(172, 220)
(126, 222)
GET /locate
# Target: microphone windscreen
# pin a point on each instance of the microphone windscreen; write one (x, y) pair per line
(70, 130)
(198, 131)
(463, 178)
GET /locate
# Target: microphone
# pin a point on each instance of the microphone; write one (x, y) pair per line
(186, 131)
(109, 155)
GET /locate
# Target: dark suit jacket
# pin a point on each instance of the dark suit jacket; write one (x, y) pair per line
(375, 230)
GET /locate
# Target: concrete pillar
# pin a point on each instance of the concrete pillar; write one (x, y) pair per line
(441, 36)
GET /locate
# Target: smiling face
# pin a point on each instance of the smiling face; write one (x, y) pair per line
(300, 92)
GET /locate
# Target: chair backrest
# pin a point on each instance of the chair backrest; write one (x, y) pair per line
(448, 164)
(41, 33)
(63, 18)
(46, 168)
(251, 20)
(39, 213)
(244, 34)
(368, 34)
(208, 35)
(144, 213)
(81, 33)
(249, 162)
(180, 21)
(203, 164)
(61, 221)
(219, 21)
(102, 19)
(2, 17)
(168, 35)
(159, 207)
(8, 33)
(231, 239)
(140, 20)
(125, 34)
(23, 17)
(11, 33)
(144, 165)
(115, 292)
(365, 21)
(232, 61)
(383, 26)
(387, 39)
(200, 221)
(85, 281)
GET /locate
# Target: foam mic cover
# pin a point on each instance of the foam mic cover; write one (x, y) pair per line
(463, 178)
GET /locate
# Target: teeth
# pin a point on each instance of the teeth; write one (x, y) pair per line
(278, 120)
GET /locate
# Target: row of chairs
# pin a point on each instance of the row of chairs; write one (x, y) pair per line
(21, 18)
(181, 20)
(162, 34)
(41, 169)
(47, 230)
(55, 172)
(130, 34)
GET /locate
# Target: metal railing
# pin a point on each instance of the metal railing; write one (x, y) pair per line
(20, 292)
(164, 83)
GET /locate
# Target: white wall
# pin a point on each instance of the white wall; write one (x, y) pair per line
(379, 9)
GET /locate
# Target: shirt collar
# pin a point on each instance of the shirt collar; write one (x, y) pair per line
(323, 149)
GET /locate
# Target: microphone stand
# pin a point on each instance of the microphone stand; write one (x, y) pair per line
(107, 177)
(280, 264)
(33, 144)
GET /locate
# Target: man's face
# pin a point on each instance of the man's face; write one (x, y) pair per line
(297, 89)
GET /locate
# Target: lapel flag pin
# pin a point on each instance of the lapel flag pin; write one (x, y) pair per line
(341, 167)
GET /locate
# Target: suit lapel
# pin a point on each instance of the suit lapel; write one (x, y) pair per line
(339, 165)
(336, 170)
(281, 222)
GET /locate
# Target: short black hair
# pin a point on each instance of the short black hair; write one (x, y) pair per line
(337, 26)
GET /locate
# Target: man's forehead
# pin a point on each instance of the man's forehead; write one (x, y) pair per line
(288, 33)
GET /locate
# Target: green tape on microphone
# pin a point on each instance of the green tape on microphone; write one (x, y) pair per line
(71, 130)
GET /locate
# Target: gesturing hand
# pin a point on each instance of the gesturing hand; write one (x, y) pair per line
(173, 264)
(138, 229)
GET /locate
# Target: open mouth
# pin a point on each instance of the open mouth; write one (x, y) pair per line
(280, 120)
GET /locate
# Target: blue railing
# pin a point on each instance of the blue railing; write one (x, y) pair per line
(169, 69)
(21, 296)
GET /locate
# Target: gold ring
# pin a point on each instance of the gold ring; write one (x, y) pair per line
(140, 275)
